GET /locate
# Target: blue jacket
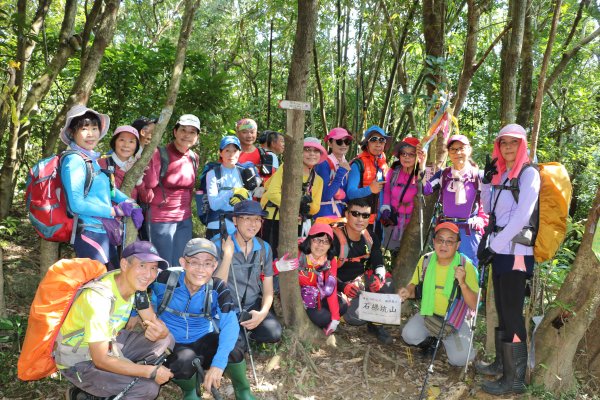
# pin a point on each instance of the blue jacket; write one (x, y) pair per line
(189, 329)
(98, 202)
(330, 188)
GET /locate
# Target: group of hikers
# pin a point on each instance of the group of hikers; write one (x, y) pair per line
(198, 321)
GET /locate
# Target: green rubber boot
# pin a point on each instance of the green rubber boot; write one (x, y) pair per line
(188, 386)
(241, 387)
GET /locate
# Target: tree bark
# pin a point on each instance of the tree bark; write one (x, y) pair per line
(320, 91)
(510, 55)
(270, 75)
(588, 355)
(137, 169)
(293, 311)
(2, 298)
(526, 90)
(578, 302)
(539, 97)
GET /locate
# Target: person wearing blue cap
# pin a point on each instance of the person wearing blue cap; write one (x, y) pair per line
(227, 184)
(368, 170)
(252, 257)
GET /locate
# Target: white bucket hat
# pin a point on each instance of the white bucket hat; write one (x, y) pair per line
(76, 111)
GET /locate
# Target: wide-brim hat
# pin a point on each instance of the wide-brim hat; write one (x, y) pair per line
(76, 111)
(372, 130)
(316, 143)
(144, 251)
(125, 128)
(248, 207)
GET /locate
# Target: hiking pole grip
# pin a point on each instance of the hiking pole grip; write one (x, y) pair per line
(158, 362)
(200, 370)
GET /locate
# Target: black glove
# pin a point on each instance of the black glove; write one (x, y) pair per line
(485, 256)
(141, 300)
(305, 205)
(490, 170)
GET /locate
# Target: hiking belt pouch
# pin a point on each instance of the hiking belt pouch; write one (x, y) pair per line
(433, 323)
(419, 291)
(525, 237)
(310, 296)
(457, 313)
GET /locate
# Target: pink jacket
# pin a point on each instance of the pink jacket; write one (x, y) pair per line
(391, 195)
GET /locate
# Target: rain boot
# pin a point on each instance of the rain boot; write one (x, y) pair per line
(188, 386)
(241, 387)
(495, 368)
(515, 366)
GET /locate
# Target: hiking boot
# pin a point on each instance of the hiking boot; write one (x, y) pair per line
(495, 368)
(379, 331)
(514, 368)
(241, 387)
(74, 393)
(427, 346)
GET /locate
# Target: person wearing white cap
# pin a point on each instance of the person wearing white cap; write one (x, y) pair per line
(89, 192)
(169, 184)
(508, 248)
(312, 190)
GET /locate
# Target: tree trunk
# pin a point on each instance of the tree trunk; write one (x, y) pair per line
(293, 311)
(137, 169)
(564, 326)
(588, 355)
(2, 298)
(320, 91)
(510, 55)
(539, 97)
(526, 72)
(270, 75)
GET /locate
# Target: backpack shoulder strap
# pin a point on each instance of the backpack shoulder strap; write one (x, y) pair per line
(395, 176)
(426, 259)
(368, 239)
(208, 299)
(164, 163)
(343, 244)
(89, 169)
(168, 295)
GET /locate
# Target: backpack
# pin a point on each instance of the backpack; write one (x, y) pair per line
(266, 163)
(549, 218)
(46, 201)
(61, 285)
(164, 166)
(345, 249)
(172, 281)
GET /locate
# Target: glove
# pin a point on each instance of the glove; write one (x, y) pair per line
(386, 218)
(351, 291)
(124, 208)
(137, 216)
(376, 284)
(489, 170)
(486, 256)
(287, 264)
(239, 194)
(476, 223)
(381, 272)
(331, 327)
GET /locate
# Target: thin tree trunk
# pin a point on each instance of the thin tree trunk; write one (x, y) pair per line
(344, 71)
(293, 311)
(137, 169)
(320, 90)
(526, 95)
(511, 54)
(539, 97)
(338, 103)
(584, 4)
(2, 298)
(556, 348)
(270, 75)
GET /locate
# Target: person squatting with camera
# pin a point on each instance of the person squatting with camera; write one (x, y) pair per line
(441, 278)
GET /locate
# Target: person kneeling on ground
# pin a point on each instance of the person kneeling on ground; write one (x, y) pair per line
(189, 302)
(434, 276)
(360, 264)
(94, 351)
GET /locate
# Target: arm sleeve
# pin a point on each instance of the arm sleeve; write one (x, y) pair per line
(433, 183)
(228, 324)
(529, 188)
(120, 196)
(486, 197)
(72, 170)
(353, 191)
(376, 257)
(332, 301)
(218, 200)
(316, 193)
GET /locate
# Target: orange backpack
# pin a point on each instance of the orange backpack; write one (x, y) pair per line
(61, 285)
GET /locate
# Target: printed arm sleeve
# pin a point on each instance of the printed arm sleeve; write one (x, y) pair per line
(73, 171)
(376, 257)
(332, 301)
(228, 324)
(529, 187)
(353, 191)
(218, 200)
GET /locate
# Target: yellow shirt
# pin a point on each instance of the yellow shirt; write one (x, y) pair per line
(273, 194)
(441, 301)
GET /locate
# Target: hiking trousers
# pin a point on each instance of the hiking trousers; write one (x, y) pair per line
(135, 347)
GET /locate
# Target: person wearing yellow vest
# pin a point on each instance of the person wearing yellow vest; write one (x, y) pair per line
(368, 170)
(435, 275)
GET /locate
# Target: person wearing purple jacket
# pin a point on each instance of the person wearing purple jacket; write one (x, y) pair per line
(460, 189)
(510, 194)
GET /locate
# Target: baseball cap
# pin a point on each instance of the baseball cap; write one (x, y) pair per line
(227, 140)
(189, 120)
(143, 122)
(338, 133)
(320, 228)
(458, 138)
(144, 251)
(248, 207)
(447, 225)
(200, 245)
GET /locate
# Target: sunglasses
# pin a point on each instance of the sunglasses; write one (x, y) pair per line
(340, 142)
(357, 214)
(379, 139)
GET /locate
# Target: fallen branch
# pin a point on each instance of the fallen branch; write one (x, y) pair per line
(365, 366)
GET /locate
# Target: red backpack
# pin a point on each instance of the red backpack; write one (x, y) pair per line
(46, 201)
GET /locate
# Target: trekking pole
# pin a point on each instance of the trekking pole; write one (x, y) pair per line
(439, 339)
(157, 362)
(481, 283)
(197, 363)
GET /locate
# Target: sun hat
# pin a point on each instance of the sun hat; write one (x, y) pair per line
(227, 140)
(125, 128)
(316, 143)
(76, 111)
(248, 207)
(320, 228)
(144, 251)
(189, 120)
(513, 130)
(447, 225)
(338, 133)
(372, 130)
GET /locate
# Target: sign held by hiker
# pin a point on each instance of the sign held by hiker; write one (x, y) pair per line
(379, 307)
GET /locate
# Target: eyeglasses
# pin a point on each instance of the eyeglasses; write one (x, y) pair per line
(340, 142)
(408, 155)
(323, 241)
(357, 214)
(379, 139)
(311, 150)
(443, 242)
(198, 265)
(455, 150)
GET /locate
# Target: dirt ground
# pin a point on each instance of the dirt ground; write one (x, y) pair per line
(350, 365)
